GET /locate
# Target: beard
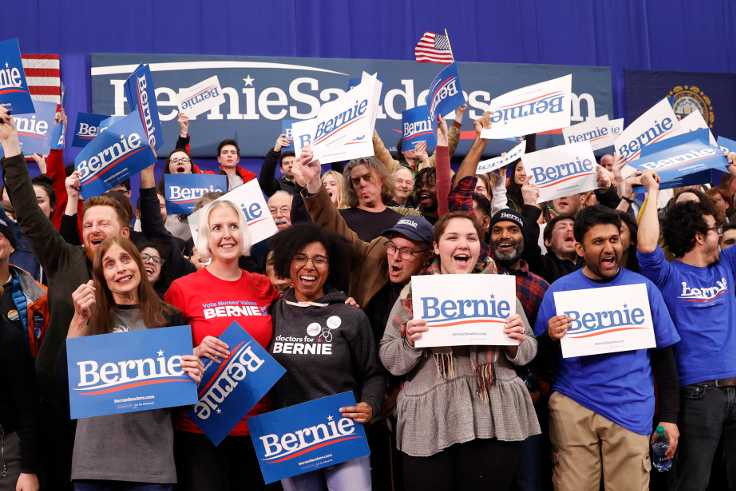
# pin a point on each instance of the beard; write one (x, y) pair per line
(510, 257)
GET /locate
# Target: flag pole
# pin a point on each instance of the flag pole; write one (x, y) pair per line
(449, 44)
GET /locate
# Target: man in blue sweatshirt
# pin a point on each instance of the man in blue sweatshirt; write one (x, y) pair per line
(698, 289)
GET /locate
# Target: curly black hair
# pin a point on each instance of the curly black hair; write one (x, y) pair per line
(292, 240)
(591, 216)
(682, 222)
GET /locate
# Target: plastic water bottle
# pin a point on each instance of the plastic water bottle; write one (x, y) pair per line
(659, 448)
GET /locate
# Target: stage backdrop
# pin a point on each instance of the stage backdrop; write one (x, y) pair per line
(713, 94)
(260, 92)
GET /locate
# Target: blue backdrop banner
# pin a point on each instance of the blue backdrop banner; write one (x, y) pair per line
(261, 92)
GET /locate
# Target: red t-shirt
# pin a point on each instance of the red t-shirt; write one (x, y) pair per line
(210, 305)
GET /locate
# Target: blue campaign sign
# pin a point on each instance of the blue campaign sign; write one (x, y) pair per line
(286, 130)
(231, 388)
(306, 437)
(726, 144)
(126, 372)
(445, 92)
(682, 160)
(87, 128)
(34, 130)
(115, 155)
(57, 136)
(14, 92)
(183, 190)
(140, 91)
(416, 127)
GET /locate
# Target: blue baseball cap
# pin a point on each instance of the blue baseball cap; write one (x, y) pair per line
(415, 228)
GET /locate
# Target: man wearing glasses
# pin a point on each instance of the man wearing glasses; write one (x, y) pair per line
(698, 289)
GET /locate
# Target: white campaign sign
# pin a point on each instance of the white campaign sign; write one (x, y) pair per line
(617, 126)
(563, 170)
(464, 309)
(656, 124)
(201, 98)
(486, 166)
(249, 198)
(606, 320)
(531, 109)
(343, 130)
(595, 130)
(694, 121)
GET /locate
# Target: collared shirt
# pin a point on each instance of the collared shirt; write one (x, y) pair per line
(530, 288)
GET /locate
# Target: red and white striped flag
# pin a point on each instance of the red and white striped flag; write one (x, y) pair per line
(43, 73)
(434, 48)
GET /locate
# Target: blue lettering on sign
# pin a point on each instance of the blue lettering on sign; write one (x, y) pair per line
(325, 129)
(252, 211)
(448, 312)
(649, 135)
(549, 104)
(594, 323)
(553, 174)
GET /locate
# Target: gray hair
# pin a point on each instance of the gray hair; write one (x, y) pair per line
(387, 179)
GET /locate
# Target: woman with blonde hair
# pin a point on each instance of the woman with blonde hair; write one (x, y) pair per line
(334, 185)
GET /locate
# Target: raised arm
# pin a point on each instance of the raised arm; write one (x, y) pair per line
(470, 162)
(444, 173)
(382, 154)
(648, 234)
(267, 176)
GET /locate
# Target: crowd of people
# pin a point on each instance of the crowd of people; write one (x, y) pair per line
(350, 238)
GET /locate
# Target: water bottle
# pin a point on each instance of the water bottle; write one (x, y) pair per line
(659, 448)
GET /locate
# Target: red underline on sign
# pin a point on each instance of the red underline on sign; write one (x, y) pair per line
(563, 180)
(313, 448)
(606, 332)
(472, 321)
(133, 385)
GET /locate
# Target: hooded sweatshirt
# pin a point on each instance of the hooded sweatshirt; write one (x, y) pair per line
(327, 347)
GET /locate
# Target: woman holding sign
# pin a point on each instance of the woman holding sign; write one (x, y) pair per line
(462, 412)
(133, 449)
(211, 299)
(326, 346)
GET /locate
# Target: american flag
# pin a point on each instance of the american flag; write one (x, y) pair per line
(434, 48)
(43, 74)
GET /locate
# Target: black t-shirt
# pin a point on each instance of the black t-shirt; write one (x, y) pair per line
(369, 225)
(8, 308)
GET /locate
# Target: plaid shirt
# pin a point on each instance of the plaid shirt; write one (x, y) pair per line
(530, 288)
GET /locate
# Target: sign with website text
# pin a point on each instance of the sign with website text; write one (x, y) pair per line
(463, 309)
(561, 171)
(343, 129)
(486, 166)
(249, 198)
(126, 372)
(14, 94)
(606, 320)
(306, 437)
(540, 107)
(231, 388)
(260, 92)
(182, 191)
(114, 156)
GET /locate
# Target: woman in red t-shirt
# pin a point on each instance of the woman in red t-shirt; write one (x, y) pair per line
(211, 299)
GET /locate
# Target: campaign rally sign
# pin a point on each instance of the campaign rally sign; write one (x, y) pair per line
(606, 320)
(532, 109)
(563, 170)
(249, 198)
(726, 144)
(126, 372)
(56, 138)
(445, 92)
(201, 97)
(343, 130)
(682, 160)
(694, 121)
(463, 309)
(141, 94)
(182, 191)
(34, 130)
(417, 127)
(14, 94)
(286, 130)
(114, 156)
(656, 124)
(617, 126)
(597, 131)
(231, 388)
(306, 437)
(486, 166)
(87, 128)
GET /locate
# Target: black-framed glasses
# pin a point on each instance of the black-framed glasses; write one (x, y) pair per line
(406, 253)
(148, 258)
(302, 259)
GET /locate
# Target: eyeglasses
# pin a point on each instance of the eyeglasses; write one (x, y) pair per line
(355, 181)
(406, 253)
(147, 258)
(180, 161)
(284, 210)
(318, 260)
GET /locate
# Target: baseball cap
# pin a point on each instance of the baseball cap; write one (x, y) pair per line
(415, 228)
